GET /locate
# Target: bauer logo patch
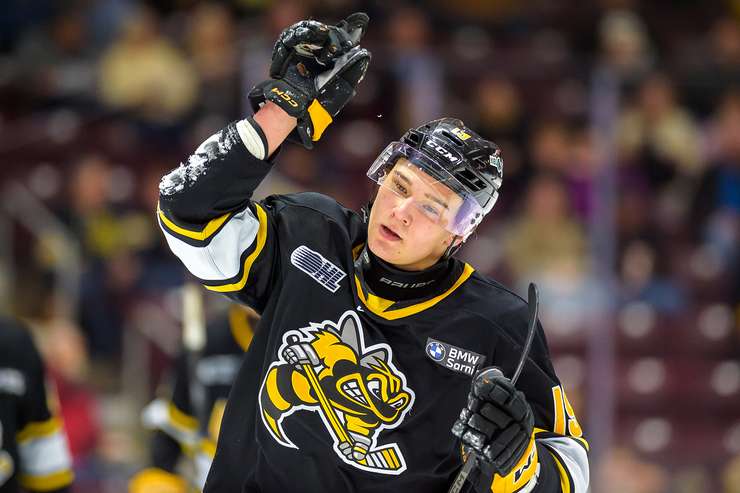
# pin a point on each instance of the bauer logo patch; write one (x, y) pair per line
(315, 265)
(454, 358)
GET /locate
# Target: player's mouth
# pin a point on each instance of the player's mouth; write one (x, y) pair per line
(388, 234)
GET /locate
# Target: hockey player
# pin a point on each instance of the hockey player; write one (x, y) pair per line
(371, 329)
(34, 455)
(188, 423)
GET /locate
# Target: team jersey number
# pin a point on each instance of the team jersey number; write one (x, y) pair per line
(565, 419)
(6, 461)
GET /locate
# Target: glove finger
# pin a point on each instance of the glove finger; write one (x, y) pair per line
(482, 387)
(503, 439)
(280, 60)
(499, 395)
(305, 32)
(479, 423)
(495, 415)
(518, 406)
(474, 439)
(354, 72)
(355, 25)
(337, 44)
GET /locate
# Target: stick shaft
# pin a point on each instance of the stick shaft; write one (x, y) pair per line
(324, 403)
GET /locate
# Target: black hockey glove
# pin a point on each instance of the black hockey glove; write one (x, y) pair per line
(315, 70)
(497, 423)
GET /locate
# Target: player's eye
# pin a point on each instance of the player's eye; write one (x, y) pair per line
(430, 211)
(399, 188)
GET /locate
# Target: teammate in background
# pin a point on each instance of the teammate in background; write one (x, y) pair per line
(34, 455)
(370, 328)
(185, 427)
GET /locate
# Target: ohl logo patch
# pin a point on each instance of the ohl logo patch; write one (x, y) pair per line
(357, 391)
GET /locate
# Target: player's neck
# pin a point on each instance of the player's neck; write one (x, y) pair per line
(391, 283)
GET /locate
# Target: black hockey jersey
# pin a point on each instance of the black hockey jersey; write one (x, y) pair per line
(188, 421)
(392, 374)
(33, 447)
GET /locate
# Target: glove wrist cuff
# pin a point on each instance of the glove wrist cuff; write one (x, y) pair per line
(523, 477)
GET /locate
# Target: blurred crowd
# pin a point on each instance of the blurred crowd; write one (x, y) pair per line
(619, 122)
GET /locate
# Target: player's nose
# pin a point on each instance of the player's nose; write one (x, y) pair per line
(403, 211)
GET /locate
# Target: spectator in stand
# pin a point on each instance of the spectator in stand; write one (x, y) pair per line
(644, 278)
(658, 135)
(415, 66)
(109, 238)
(626, 47)
(549, 147)
(499, 113)
(214, 48)
(731, 476)
(144, 73)
(57, 61)
(716, 204)
(716, 64)
(547, 245)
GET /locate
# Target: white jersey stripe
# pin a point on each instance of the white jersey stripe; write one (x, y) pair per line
(220, 259)
(574, 459)
(44, 455)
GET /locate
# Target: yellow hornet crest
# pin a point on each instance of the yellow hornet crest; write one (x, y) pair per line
(357, 391)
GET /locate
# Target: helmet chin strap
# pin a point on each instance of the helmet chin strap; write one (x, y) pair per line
(452, 249)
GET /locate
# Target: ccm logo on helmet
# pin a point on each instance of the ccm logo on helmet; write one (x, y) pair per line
(442, 150)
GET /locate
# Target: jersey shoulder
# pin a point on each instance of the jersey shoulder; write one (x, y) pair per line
(305, 205)
(16, 345)
(498, 304)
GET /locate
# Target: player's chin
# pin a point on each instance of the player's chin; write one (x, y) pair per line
(383, 249)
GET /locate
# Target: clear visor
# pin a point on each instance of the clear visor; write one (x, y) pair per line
(440, 197)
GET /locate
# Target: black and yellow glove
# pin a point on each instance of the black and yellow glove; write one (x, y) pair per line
(498, 425)
(314, 72)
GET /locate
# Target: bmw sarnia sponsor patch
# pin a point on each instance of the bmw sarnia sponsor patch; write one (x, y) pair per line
(454, 358)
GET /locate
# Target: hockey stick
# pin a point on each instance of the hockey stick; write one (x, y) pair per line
(194, 340)
(383, 458)
(533, 303)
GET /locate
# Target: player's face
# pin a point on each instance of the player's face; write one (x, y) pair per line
(406, 221)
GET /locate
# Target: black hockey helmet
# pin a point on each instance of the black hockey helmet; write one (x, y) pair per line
(458, 157)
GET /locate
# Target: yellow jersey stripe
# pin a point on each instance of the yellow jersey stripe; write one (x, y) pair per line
(208, 447)
(38, 429)
(241, 329)
(583, 442)
(205, 233)
(261, 239)
(378, 305)
(180, 419)
(48, 482)
(566, 483)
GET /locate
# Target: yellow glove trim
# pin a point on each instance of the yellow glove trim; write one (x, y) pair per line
(522, 473)
(155, 480)
(320, 119)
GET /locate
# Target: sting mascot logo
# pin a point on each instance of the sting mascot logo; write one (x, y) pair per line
(357, 391)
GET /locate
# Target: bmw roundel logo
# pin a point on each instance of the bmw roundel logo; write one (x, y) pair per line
(436, 351)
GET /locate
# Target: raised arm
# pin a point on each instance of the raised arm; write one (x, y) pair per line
(205, 207)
